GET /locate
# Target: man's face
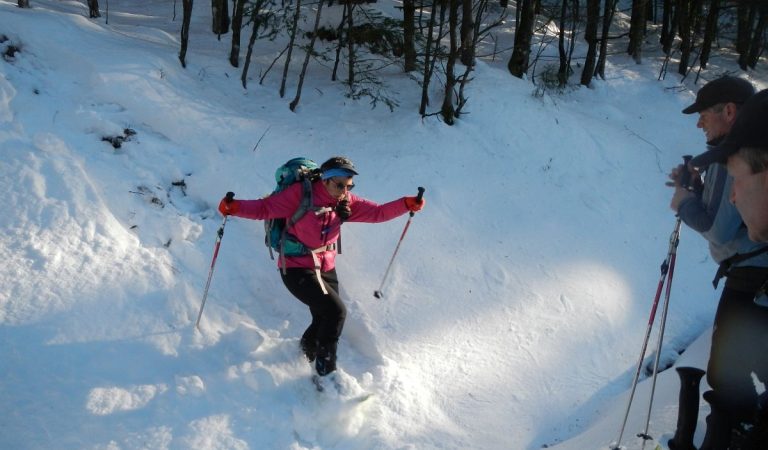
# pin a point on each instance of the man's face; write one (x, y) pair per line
(715, 121)
(750, 195)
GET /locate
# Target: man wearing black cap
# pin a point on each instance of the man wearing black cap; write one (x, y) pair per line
(746, 151)
(705, 207)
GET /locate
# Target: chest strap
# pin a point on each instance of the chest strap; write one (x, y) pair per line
(727, 264)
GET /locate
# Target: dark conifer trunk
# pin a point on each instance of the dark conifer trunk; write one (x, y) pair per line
(710, 30)
(187, 17)
(409, 33)
(448, 111)
(637, 29)
(237, 25)
(468, 34)
(608, 11)
(684, 25)
(518, 63)
(757, 45)
(590, 35)
(93, 9)
(220, 16)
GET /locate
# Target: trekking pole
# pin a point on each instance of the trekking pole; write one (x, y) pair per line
(662, 326)
(674, 238)
(219, 235)
(378, 293)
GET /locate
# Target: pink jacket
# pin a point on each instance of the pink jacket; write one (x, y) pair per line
(317, 230)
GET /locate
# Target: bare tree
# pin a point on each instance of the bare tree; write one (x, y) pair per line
(237, 25)
(291, 41)
(686, 37)
(518, 63)
(93, 9)
(187, 17)
(590, 35)
(668, 26)
(566, 52)
(310, 49)
(448, 111)
(430, 55)
(637, 29)
(709, 32)
(757, 43)
(608, 11)
(409, 33)
(745, 14)
(220, 16)
(467, 34)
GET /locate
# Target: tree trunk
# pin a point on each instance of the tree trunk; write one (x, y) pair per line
(746, 19)
(637, 30)
(308, 55)
(187, 17)
(709, 32)
(684, 25)
(590, 35)
(743, 27)
(608, 11)
(668, 27)
(351, 45)
(93, 9)
(254, 34)
(220, 16)
(292, 39)
(757, 45)
(468, 34)
(448, 111)
(409, 35)
(562, 71)
(518, 63)
(428, 56)
(237, 25)
(340, 33)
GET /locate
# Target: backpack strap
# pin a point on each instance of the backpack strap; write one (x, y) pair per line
(304, 206)
(728, 263)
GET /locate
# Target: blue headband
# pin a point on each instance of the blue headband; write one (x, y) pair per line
(330, 173)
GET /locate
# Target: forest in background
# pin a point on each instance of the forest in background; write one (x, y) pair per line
(437, 42)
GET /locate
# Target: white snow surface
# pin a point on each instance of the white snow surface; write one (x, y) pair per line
(513, 315)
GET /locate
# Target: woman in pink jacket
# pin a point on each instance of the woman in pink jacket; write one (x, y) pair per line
(311, 277)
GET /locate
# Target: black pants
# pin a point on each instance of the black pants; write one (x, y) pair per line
(739, 349)
(328, 310)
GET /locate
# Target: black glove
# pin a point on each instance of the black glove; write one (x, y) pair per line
(343, 210)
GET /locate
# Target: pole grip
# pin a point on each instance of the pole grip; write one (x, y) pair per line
(685, 177)
(418, 198)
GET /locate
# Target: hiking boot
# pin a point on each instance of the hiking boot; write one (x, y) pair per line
(309, 349)
(326, 359)
(688, 410)
(719, 427)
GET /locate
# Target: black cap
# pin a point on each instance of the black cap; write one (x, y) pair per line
(726, 89)
(339, 162)
(749, 130)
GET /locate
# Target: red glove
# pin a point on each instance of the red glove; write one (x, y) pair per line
(228, 206)
(414, 204)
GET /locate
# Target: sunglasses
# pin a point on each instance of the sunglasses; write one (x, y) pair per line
(343, 186)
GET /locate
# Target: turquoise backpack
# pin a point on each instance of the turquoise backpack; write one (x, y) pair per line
(297, 170)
